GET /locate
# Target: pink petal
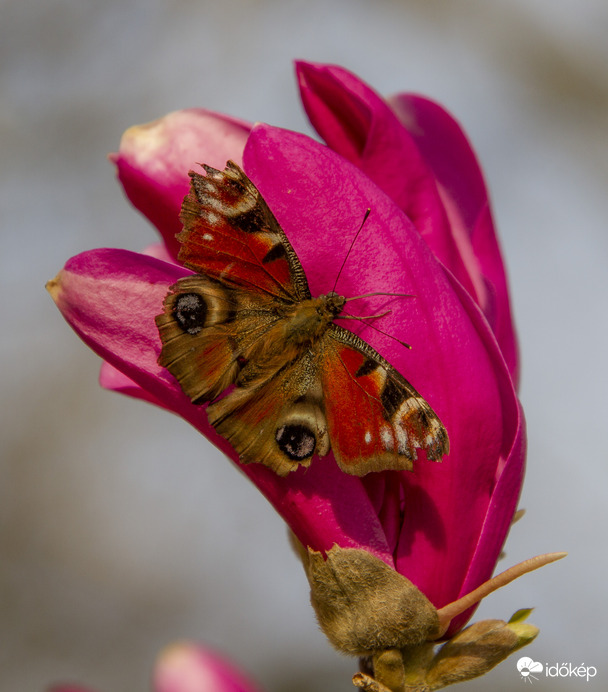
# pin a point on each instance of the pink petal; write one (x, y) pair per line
(447, 151)
(154, 159)
(455, 362)
(356, 122)
(114, 380)
(110, 298)
(498, 308)
(189, 667)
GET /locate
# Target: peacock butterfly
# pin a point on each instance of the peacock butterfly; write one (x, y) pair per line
(282, 381)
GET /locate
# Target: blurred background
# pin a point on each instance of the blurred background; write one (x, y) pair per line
(121, 528)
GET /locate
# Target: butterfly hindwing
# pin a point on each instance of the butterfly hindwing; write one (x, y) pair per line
(231, 235)
(376, 419)
(280, 423)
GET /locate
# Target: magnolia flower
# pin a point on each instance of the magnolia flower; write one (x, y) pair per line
(430, 234)
(188, 667)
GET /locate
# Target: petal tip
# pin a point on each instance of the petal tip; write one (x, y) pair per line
(53, 286)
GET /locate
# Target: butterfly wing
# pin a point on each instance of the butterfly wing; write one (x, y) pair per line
(376, 419)
(231, 235)
(212, 335)
(280, 422)
(339, 394)
(247, 271)
(208, 331)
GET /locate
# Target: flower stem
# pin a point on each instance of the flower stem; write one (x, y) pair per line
(450, 611)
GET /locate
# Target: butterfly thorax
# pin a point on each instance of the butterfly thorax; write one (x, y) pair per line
(296, 327)
(293, 330)
(309, 319)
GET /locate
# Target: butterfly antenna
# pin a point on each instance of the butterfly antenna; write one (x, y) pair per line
(350, 248)
(381, 293)
(369, 324)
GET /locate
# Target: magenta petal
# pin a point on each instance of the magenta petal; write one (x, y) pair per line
(447, 151)
(498, 308)
(116, 381)
(154, 159)
(110, 298)
(497, 523)
(320, 200)
(472, 497)
(463, 204)
(189, 667)
(358, 124)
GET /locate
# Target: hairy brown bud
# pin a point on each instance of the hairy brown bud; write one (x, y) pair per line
(364, 606)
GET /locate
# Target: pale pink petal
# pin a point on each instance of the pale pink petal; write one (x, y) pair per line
(113, 379)
(159, 250)
(188, 667)
(154, 159)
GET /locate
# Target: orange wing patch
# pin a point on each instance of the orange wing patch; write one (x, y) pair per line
(376, 419)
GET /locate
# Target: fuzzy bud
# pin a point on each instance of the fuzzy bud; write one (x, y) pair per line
(363, 606)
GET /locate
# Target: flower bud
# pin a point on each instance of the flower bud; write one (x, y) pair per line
(364, 606)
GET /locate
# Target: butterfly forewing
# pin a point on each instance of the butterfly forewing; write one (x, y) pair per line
(230, 234)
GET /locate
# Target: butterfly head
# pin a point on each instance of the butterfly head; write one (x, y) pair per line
(332, 303)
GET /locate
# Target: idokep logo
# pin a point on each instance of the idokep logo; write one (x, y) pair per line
(533, 670)
(567, 670)
(529, 669)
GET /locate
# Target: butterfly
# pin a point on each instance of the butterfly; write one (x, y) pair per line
(282, 380)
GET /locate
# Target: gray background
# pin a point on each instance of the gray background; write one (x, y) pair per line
(121, 528)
